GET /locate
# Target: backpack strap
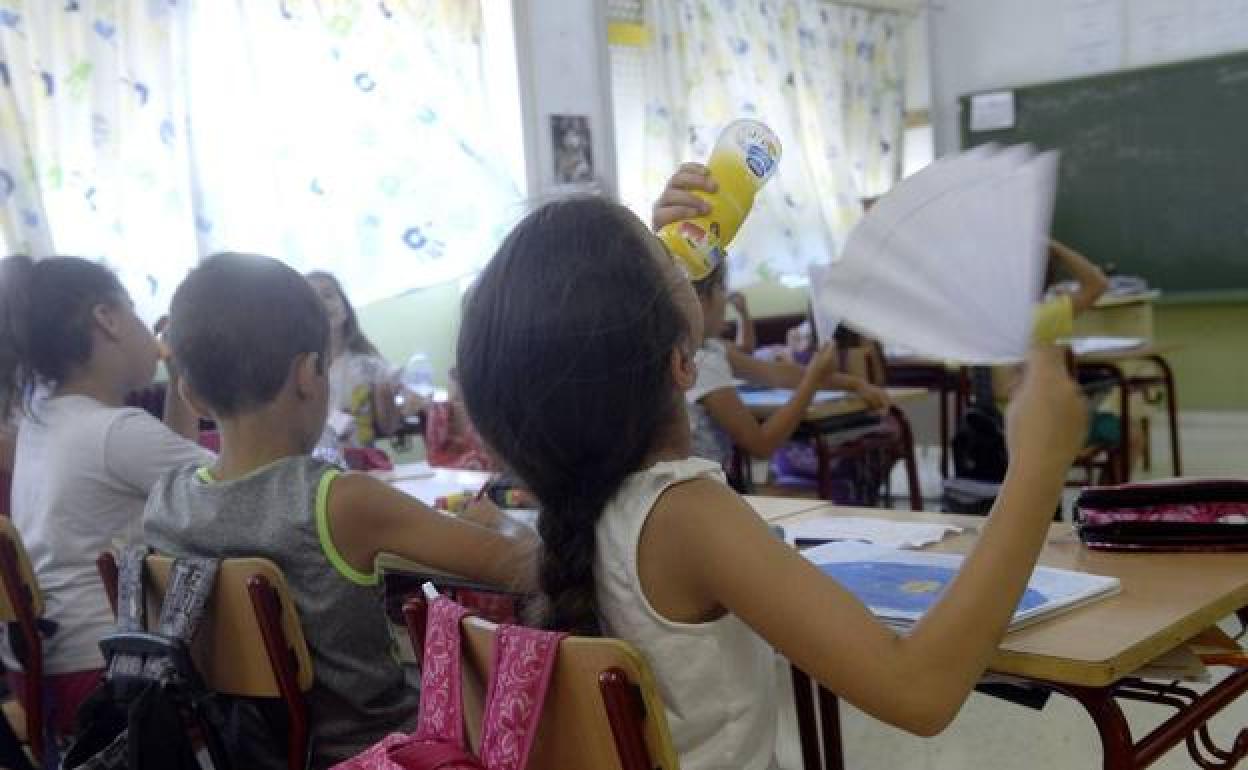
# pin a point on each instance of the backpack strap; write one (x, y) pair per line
(441, 686)
(191, 582)
(131, 609)
(524, 659)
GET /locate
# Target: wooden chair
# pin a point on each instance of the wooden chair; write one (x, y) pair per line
(865, 359)
(251, 643)
(21, 606)
(603, 708)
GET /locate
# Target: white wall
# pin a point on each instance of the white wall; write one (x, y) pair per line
(984, 44)
(561, 50)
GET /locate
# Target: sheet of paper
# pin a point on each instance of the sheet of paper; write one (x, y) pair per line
(1082, 346)
(993, 111)
(949, 264)
(894, 534)
(781, 396)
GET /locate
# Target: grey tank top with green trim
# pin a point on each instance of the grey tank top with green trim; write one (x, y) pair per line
(361, 692)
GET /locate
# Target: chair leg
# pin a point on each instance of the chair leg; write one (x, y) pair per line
(21, 601)
(807, 729)
(625, 713)
(830, 726)
(106, 565)
(906, 445)
(268, 610)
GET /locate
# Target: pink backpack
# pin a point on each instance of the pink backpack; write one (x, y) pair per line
(524, 659)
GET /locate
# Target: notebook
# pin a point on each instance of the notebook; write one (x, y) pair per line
(1082, 346)
(899, 586)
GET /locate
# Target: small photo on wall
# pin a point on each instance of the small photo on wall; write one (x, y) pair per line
(573, 149)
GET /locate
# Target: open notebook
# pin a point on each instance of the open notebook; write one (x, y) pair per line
(899, 586)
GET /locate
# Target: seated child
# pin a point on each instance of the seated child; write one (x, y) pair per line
(362, 384)
(265, 495)
(71, 349)
(718, 417)
(450, 439)
(576, 348)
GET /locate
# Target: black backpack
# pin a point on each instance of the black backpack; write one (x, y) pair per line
(152, 710)
(979, 448)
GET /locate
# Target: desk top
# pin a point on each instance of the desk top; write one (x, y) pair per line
(1146, 350)
(428, 484)
(849, 404)
(1166, 599)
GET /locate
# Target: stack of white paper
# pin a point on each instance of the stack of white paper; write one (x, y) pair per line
(950, 263)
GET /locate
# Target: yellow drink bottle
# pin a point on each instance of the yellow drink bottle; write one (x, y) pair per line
(744, 158)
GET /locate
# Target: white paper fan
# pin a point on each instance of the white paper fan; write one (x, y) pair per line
(950, 263)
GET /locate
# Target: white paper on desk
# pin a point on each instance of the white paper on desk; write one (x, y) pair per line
(1082, 346)
(892, 534)
(950, 263)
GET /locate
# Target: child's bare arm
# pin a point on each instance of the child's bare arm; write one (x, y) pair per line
(1092, 281)
(786, 374)
(703, 549)
(760, 439)
(367, 516)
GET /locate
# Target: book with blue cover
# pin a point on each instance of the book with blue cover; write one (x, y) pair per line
(899, 586)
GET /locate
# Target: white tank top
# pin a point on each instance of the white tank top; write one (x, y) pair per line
(717, 679)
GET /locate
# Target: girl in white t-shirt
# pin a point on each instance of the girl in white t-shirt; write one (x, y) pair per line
(71, 348)
(362, 385)
(575, 352)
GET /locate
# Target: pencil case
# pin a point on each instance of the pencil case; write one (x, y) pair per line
(1176, 515)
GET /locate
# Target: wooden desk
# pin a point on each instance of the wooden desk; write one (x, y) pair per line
(1090, 653)
(428, 484)
(1112, 364)
(837, 419)
(840, 407)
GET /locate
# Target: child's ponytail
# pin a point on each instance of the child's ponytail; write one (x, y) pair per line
(16, 377)
(46, 311)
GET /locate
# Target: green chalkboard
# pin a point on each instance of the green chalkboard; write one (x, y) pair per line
(1154, 169)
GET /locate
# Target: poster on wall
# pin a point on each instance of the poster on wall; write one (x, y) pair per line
(572, 147)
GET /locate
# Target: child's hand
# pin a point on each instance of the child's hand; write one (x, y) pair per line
(875, 397)
(678, 201)
(1047, 420)
(485, 513)
(737, 301)
(826, 361)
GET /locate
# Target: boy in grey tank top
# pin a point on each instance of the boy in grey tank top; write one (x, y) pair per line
(251, 339)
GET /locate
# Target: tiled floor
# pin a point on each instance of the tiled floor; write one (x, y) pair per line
(990, 733)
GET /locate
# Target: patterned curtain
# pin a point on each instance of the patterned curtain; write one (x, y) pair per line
(333, 134)
(93, 140)
(826, 78)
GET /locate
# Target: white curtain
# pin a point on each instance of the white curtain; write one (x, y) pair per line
(826, 78)
(348, 136)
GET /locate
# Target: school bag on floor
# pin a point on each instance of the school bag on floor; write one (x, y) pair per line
(524, 659)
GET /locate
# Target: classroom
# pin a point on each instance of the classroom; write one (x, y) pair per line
(623, 384)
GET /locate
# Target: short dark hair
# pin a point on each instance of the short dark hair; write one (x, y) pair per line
(237, 323)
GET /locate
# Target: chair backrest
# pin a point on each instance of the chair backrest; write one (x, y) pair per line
(229, 650)
(576, 728)
(12, 548)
